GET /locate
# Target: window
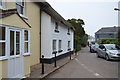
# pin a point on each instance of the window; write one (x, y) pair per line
(60, 46)
(68, 31)
(54, 45)
(26, 41)
(1, 4)
(69, 45)
(2, 42)
(20, 6)
(56, 27)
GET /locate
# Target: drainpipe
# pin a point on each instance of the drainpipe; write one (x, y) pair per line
(40, 33)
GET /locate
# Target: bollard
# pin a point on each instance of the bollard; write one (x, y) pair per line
(42, 64)
(70, 55)
(55, 61)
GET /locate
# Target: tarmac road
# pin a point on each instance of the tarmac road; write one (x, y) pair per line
(87, 65)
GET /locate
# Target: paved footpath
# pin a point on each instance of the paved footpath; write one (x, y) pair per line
(49, 68)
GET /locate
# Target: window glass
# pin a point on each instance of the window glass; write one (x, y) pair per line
(60, 43)
(26, 35)
(17, 43)
(2, 49)
(54, 45)
(20, 6)
(56, 26)
(2, 33)
(68, 44)
(11, 43)
(26, 47)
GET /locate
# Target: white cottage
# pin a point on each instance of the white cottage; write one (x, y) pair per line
(56, 34)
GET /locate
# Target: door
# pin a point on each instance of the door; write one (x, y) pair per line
(15, 59)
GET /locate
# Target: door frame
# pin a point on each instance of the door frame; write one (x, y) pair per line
(21, 51)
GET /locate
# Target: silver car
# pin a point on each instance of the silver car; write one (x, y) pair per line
(109, 51)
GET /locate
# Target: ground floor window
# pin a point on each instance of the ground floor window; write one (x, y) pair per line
(2, 42)
(13, 41)
(54, 45)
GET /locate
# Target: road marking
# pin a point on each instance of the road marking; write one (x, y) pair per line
(84, 66)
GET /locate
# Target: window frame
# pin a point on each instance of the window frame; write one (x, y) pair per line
(60, 46)
(6, 43)
(17, 4)
(24, 41)
(3, 5)
(54, 45)
(56, 27)
(69, 46)
(68, 31)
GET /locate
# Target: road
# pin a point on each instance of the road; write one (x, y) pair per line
(87, 65)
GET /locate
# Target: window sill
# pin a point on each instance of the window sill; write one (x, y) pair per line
(68, 33)
(54, 52)
(69, 49)
(23, 16)
(57, 31)
(3, 58)
(60, 51)
(26, 54)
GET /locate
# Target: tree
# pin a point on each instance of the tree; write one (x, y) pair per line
(119, 36)
(80, 38)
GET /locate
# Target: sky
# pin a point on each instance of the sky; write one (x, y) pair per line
(95, 13)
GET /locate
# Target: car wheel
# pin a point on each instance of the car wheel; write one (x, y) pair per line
(97, 55)
(107, 57)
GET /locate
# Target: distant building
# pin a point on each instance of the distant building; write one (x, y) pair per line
(106, 32)
(91, 38)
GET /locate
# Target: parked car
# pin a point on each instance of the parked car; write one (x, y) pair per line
(93, 47)
(109, 51)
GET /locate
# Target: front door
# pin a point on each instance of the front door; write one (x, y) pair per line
(15, 59)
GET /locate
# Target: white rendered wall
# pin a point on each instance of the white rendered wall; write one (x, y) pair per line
(62, 35)
(48, 35)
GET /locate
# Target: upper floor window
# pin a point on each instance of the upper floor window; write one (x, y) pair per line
(68, 31)
(56, 27)
(2, 4)
(20, 4)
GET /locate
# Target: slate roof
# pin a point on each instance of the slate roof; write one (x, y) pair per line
(108, 30)
(46, 7)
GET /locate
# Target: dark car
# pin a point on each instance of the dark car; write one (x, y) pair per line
(93, 47)
(109, 51)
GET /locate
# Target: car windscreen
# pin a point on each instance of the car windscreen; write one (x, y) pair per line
(113, 47)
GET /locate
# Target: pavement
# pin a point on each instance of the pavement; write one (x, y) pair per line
(36, 72)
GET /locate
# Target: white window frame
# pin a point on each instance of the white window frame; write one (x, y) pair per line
(6, 44)
(22, 15)
(28, 53)
(3, 5)
(55, 45)
(60, 45)
(7, 28)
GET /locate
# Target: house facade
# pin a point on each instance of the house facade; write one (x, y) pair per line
(57, 34)
(28, 30)
(19, 37)
(106, 32)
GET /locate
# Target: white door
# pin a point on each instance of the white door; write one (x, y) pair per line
(15, 59)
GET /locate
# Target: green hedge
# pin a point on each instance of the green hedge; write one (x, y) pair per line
(108, 41)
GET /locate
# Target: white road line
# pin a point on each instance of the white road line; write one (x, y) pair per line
(94, 73)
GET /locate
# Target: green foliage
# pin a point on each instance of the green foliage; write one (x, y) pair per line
(108, 41)
(80, 38)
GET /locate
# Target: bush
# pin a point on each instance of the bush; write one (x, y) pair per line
(108, 41)
(77, 45)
